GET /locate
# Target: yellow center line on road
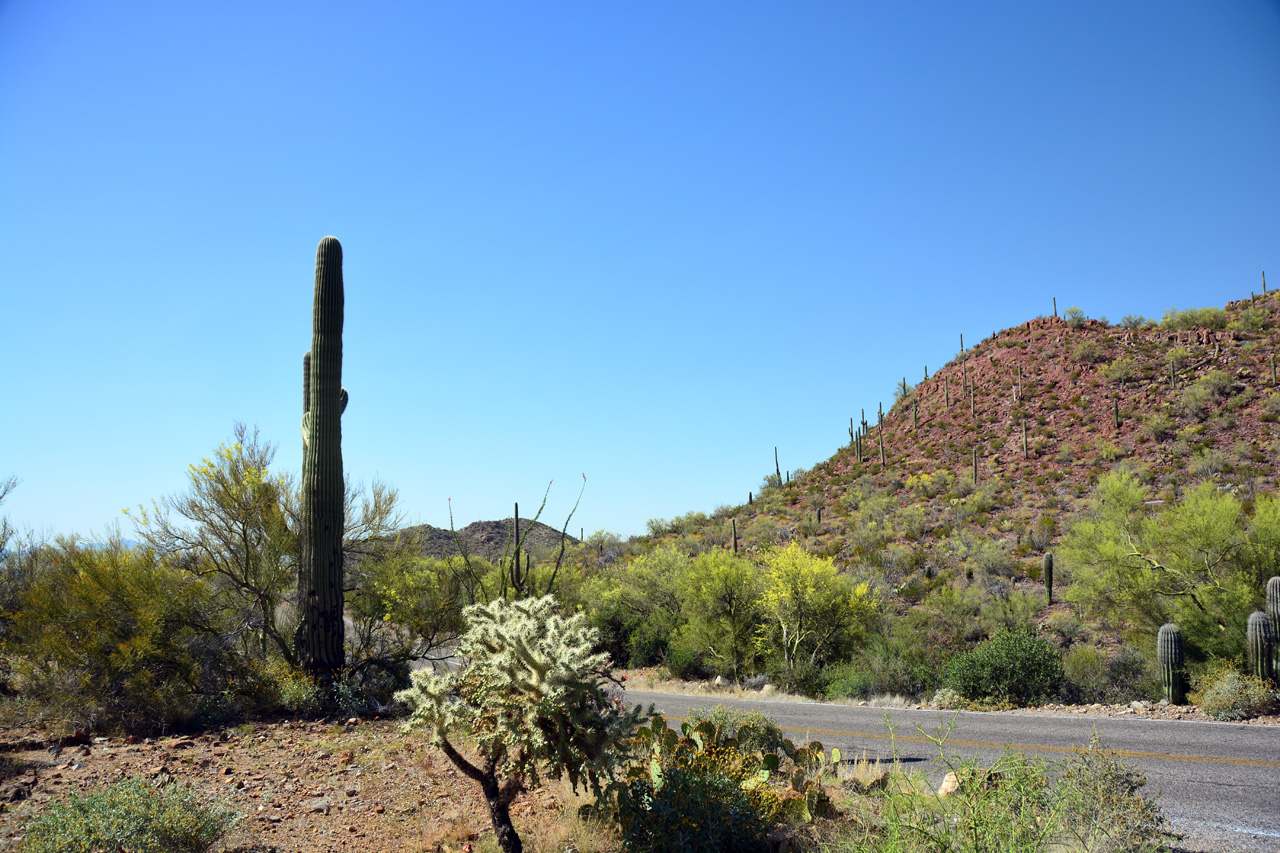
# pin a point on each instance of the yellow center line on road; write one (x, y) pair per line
(1028, 747)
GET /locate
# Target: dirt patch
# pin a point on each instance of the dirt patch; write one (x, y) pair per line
(301, 786)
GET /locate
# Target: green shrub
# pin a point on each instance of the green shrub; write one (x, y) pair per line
(1133, 321)
(1193, 318)
(115, 636)
(1014, 664)
(1088, 352)
(754, 731)
(132, 815)
(849, 682)
(1089, 803)
(1120, 371)
(1223, 693)
(1074, 317)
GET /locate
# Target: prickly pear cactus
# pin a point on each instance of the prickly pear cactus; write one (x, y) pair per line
(1259, 642)
(320, 632)
(1169, 656)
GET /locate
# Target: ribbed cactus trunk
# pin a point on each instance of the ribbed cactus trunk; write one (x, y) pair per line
(1273, 616)
(1170, 658)
(320, 575)
(1258, 640)
(1047, 574)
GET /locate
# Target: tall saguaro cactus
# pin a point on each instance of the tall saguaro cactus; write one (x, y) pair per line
(1169, 656)
(320, 631)
(1273, 617)
(1258, 639)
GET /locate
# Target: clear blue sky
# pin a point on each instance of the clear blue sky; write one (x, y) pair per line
(642, 241)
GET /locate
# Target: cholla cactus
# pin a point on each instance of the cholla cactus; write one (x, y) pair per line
(533, 698)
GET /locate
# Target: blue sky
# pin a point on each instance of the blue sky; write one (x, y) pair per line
(644, 242)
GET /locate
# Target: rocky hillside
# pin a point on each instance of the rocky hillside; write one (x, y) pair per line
(1011, 435)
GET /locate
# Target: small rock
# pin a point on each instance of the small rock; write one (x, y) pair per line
(317, 806)
(351, 792)
(768, 690)
(1138, 706)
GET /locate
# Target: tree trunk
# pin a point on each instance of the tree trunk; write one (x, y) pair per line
(499, 801)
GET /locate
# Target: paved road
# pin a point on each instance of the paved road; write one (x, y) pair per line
(1218, 783)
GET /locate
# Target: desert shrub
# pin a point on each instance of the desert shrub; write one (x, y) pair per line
(1158, 426)
(1216, 382)
(1208, 462)
(1085, 670)
(133, 815)
(1014, 664)
(115, 636)
(1194, 401)
(1133, 321)
(754, 731)
(1088, 352)
(1091, 802)
(1009, 609)
(847, 681)
(1192, 318)
(1224, 693)
(1120, 371)
(1251, 320)
(1074, 317)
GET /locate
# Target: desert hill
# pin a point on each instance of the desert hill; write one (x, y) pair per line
(1010, 436)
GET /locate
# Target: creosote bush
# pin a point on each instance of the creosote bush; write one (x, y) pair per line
(133, 815)
(1015, 665)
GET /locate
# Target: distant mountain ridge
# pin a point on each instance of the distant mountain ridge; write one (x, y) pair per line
(486, 539)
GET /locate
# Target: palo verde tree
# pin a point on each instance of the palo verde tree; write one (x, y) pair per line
(812, 612)
(532, 698)
(1201, 563)
(320, 634)
(231, 526)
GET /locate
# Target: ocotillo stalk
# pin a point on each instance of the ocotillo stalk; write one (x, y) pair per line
(1047, 572)
(320, 632)
(777, 469)
(1273, 616)
(1258, 641)
(1024, 439)
(1170, 659)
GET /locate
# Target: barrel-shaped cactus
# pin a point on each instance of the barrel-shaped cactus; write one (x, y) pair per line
(320, 573)
(1258, 642)
(1048, 575)
(1170, 658)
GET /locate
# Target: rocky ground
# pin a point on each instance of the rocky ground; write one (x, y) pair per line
(301, 786)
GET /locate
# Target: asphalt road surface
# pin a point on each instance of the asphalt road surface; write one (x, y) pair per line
(1217, 783)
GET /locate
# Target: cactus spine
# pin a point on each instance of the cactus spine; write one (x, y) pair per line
(1048, 575)
(1258, 641)
(1169, 657)
(319, 636)
(1273, 616)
